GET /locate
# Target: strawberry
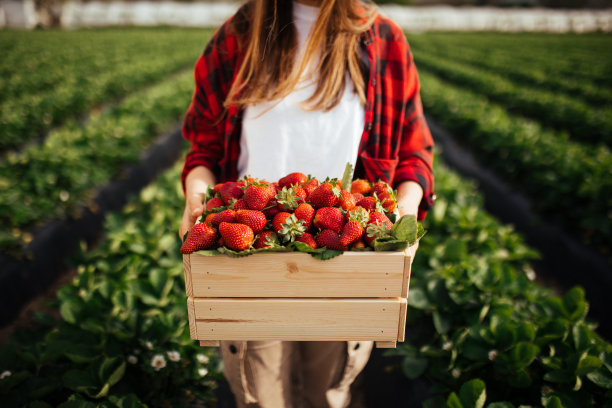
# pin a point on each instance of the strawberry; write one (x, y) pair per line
(377, 217)
(292, 179)
(381, 187)
(267, 239)
(369, 203)
(271, 211)
(240, 204)
(359, 244)
(230, 191)
(360, 186)
(306, 213)
(357, 196)
(347, 201)
(326, 195)
(256, 220)
(279, 219)
(359, 214)
(236, 236)
(209, 217)
(223, 216)
(310, 186)
(331, 240)
(217, 188)
(257, 196)
(213, 203)
(288, 198)
(308, 239)
(351, 232)
(291, 229)
(200, 236)
(329, 218)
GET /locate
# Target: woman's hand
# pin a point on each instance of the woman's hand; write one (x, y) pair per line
(196, 184)
(409, 195)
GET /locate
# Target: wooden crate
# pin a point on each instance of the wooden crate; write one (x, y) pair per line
(293, 296)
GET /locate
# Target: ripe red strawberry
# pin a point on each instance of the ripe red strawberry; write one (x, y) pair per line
(369, 203)
(381, 187)
(217, 188)
(308, 239)
(329, 218)
(240, 204)
(326, 195)
(351, 232)
(357, 196)
(358, 214)
(388, 201)
(292, 179)
(213, 203)
(306, 213)
(209, 217)
(256, 220)
(279, 219)
(347, 201)
(271, 211)
(230, 191)
(360, 186)
(257, 196)
(331, 240)
(267, 239)
(236, 236)
(291, 229)
(310, 186)
(200, 236)
(223, 216)
(377, 217)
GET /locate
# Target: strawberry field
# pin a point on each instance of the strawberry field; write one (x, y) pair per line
(77, 108)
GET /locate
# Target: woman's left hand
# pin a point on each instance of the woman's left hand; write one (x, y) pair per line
(409, 195)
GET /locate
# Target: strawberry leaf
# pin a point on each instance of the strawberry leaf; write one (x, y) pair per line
(405, 229)
(208, 252)
(301, 246)
(347, 177)
(385, 244)
(325, 254)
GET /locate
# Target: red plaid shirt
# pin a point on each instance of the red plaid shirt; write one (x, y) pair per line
(396, 144)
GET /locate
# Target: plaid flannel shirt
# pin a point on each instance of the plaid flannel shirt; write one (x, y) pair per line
(396, 144)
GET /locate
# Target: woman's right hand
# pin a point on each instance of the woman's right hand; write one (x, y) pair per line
(196, 185)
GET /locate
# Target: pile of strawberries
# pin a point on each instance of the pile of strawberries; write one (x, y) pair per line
(254, 214)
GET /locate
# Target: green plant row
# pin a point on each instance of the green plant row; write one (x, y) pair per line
(57, 178)
(122, 337)
(529, 73)
(584, 123)
(65, 87)
(568, 182)
(580, 57)
(483, 330)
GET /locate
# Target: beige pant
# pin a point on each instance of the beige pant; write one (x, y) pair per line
(287, 374)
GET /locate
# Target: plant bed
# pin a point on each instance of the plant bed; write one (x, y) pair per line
(293, 296)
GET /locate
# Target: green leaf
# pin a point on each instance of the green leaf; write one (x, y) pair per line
(601, 378)
(559, 376)
(326, 254)
(208, 252)
(347, 177)
(574, 303)
(519, 379)
(414, 366)
(382, 244)
(80, 381)
(111, 370)
(587, 365)
(473, 394)
(500, 404)
(523, 354)
(583, 337)
(442, 322)
(70, 310)
(453, 401)
(552, 401)
(418, 299)
(405, 229)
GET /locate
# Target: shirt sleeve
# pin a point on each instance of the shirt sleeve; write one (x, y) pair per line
(203, 124)
(416, 145)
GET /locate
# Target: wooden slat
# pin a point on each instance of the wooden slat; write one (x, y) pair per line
(193, 329)
(353, 274)
(209, 343)
(297, 319)
(188, 274)
(401, 330)
(406, 272)
(386, 344)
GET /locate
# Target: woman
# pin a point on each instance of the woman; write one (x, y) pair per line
(305, 86)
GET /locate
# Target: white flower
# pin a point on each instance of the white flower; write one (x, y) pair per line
(456, 373)
(447, 346)
(5, 374)
(202, 358)
(64, 195)
(149, 345)
(132, 359)
(493, 354)
(174, 355)
(530, 273)
(202, 371)
(158, 362)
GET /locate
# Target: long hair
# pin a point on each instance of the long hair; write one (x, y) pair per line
(269, 70)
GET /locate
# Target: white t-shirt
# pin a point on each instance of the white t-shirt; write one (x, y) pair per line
(279, 137)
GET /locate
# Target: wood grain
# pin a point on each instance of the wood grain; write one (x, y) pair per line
(291, 274)
(297, 319)
(401, 330)
(406, 271)
(188, 274)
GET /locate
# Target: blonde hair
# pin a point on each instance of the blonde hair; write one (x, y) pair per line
(268, 70)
